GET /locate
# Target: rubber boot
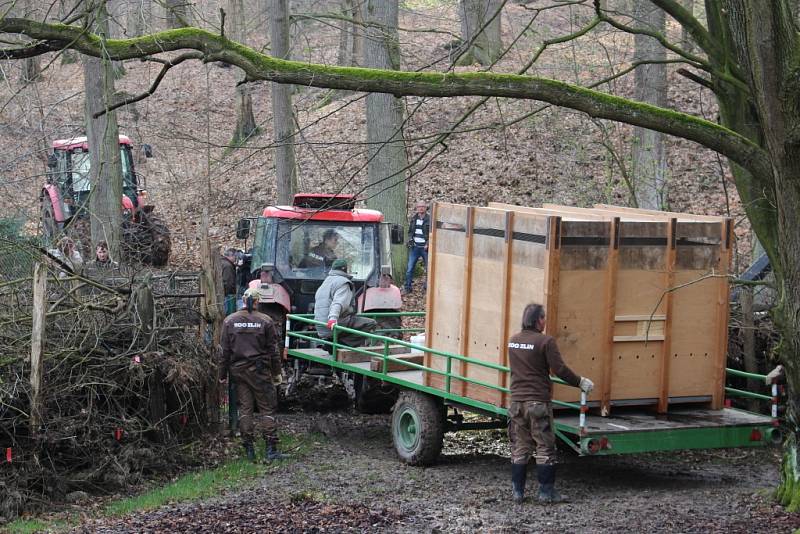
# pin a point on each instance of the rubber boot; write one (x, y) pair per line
(546, 474)
(249, 451)
(272, 453)
(519, 472)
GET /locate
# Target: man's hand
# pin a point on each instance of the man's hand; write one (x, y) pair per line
(277, 379)
(331, 322)
(586, 385)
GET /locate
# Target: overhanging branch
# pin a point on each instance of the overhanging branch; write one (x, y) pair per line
(163, 72)
(258, 66)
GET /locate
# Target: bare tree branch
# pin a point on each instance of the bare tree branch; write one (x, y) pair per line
(262, 67)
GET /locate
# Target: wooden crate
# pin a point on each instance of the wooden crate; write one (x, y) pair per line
(637, 300)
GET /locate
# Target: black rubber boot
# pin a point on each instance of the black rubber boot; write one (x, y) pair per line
(519, 472)
(272, 453)
(249, 451)
(546, 474)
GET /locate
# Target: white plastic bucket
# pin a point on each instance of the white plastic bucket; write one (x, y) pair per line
(419, 339)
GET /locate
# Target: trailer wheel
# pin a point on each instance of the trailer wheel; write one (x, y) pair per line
(418, 428)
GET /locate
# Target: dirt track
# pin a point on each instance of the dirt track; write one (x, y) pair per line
(351, 481)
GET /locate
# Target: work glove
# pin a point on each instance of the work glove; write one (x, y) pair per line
(774, 374)
(331, 322)
(586, 385)
(277, 379)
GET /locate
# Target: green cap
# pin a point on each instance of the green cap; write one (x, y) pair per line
(339, 265)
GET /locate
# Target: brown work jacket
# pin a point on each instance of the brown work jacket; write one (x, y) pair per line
(250, 338)
(531, 357)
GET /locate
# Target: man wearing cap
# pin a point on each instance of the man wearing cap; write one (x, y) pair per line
(322, 255)
(418, 231)
(250, 355)
(532, 356)
(333, 304)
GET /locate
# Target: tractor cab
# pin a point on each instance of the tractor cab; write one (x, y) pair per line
(69, 177)
(64, 201)
(297, 245)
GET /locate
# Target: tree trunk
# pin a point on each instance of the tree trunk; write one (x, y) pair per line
(749, 343)
(115, 10)
(388, 161)
(31, 67)
(103, 135)
(763, 43)
(68, 57)
(245, 119)
(282, 114)
(649, 152)
(350, 34)
(481, 33)
(686, 41)
(139, 18)
(178, 13)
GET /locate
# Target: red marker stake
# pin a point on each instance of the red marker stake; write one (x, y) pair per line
(8, 454)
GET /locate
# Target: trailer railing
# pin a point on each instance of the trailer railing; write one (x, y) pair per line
(448, 373)
(579, 439)
(773, 399)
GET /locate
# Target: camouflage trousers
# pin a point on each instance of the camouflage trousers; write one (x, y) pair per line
(255, 390)
(531, 432)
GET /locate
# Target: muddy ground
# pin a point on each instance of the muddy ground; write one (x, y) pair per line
(351, 480)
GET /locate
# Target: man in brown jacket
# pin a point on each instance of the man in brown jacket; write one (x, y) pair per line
(532, 355)
(250, 354)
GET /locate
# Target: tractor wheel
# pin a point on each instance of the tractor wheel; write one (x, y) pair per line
(49, 224)
(418, 427)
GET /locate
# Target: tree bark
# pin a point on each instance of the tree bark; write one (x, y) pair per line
(481, 32)
(31, 68)
(351, 35)
(103, 136)
(749, 342)
(388, 162)
(115, 9)
(649, 151)
(686, 38)
(178, 13)
(139, 18)
(245, 119)
(282, 114)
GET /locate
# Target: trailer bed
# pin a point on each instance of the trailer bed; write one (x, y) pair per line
(628, 430)
(412, 376)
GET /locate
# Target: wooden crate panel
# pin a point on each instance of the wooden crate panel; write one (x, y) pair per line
(579, 331)
(694, 351)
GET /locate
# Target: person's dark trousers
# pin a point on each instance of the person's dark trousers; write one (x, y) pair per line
(233, 409)
(230, 304)
(414, 254)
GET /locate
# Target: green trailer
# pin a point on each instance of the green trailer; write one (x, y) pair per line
(422, 414)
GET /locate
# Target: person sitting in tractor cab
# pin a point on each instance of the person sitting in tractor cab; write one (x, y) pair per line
(333, 304)
(322, 255)
(264, 277)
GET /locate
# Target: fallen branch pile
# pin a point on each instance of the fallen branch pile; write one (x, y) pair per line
(127, 379)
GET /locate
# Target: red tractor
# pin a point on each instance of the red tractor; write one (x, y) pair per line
(284, 242)
(65, 201)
